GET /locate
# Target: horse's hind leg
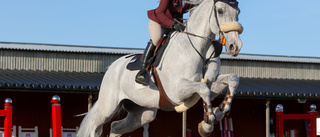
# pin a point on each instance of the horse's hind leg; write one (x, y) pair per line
(99, 114)
(137, 116)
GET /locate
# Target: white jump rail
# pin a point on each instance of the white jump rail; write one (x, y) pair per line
(67, 132)
(14, 131)
(28, 132)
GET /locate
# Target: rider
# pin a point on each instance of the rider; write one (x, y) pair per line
(162, 21)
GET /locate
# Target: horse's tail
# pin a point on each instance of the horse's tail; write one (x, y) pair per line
(87, 124)
(92, 123)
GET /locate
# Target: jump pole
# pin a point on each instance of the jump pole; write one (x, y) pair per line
(7, 113)
(312, 116)
(56, 116)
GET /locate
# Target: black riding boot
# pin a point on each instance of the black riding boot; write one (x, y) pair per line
(140, 77)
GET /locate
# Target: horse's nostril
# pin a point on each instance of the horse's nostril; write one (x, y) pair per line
(231, 47)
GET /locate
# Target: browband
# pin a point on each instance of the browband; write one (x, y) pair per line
(232, 3)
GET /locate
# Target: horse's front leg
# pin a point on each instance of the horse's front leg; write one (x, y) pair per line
(188, 88)
(223, 81)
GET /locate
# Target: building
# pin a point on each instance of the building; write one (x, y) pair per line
(30, 74)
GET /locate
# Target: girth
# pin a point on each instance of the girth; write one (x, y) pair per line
(135, 64)
(164, 102)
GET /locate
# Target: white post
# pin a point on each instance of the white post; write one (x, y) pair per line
(89, 101)
(268, 118)
(184, 124)
(145, 130)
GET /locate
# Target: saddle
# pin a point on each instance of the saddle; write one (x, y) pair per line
(136, 62)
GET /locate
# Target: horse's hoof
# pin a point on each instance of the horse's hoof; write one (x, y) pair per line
(201, 131)
(215, 122)
(218, 115)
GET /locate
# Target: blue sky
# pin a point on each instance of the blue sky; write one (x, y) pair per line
(271, 27)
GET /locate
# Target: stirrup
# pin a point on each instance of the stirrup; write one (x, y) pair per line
(140, 77)
(141, 81)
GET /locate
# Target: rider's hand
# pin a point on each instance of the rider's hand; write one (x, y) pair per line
(178, 27)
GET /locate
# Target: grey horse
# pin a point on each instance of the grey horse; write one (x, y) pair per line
(181, 71)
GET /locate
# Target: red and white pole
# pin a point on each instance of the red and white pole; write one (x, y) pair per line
(56, 116)
(313, 121)
(279, 120)
(7, 112)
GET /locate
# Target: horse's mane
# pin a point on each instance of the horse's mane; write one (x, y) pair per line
(194, 2)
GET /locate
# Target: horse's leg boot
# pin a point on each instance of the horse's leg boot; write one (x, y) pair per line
(140, 77)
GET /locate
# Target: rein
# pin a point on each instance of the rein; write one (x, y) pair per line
(222, 38)
(205, 38)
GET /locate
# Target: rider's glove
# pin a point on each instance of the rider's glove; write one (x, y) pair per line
(178, 27)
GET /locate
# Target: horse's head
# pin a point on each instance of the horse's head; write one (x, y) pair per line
(224, 22)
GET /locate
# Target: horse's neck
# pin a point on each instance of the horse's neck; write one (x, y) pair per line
(198, 24)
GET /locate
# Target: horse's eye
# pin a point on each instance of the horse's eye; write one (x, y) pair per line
(220, 11)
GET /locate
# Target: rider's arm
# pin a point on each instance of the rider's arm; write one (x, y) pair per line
(161, 13)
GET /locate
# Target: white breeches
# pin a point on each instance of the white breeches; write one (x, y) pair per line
(156, 31)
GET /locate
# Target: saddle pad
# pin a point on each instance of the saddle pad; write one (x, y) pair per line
(135, 63)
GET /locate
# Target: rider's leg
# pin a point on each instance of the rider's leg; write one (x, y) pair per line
(156, 32)
(140, 77)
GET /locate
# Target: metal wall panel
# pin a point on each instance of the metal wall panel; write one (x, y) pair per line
(277, 70)
(98, 62)
(55, 61)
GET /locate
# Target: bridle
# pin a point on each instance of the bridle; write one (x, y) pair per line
(221, 35)
(221, 42)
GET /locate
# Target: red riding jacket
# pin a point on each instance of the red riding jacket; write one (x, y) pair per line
(167, 11)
